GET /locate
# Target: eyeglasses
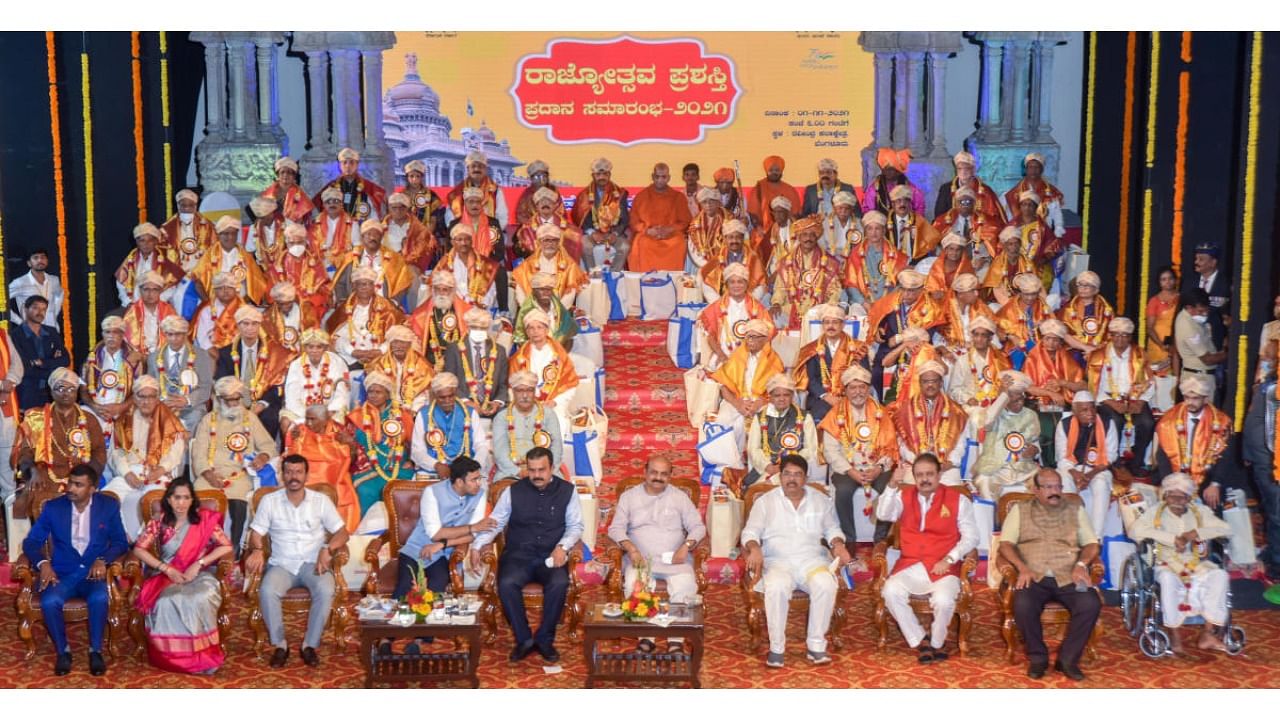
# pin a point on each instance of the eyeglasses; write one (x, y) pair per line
(64, 388)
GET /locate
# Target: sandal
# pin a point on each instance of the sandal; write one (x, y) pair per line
(675, 647)
(646, 646)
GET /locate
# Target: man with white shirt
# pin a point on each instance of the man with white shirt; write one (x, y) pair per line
(317, 376)
(296, 520)
(841, 228)
(185, 376)
(227, 256)
(859, 446)
(783, 541)
(1118, 376)
(36, 282)
(1009, 449)
(147, 451)
(542, 517)
(1216, 284)
(1195, 342)
(722, 324)
(334, 233)
(780, 428)
(108, 374)
(936, 530)
(393, 278)
(973, 381)
(214, 321)
(450, 513)
(1087, 446)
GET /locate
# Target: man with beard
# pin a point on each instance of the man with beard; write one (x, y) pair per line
(36, 282)
(439, 322)
(766, 190)
(602, 211)
(148, 450)
(819, 198)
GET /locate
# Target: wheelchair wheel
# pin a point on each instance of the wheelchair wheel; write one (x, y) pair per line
(1131, 598)
(1154, 643)
(1233, 638)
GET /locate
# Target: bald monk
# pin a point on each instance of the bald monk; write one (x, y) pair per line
(659, 217)
(768, 188)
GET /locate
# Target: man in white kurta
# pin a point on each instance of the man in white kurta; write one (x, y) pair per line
(37, 282)
(658, 525)
(317, 376)
(1009, 453)
(783, 537)
(133, 477)
(917, 579)
(1190, 583)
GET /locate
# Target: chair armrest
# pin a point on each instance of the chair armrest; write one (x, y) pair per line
(132, 572)
(489, 559)
(23, 573)
(371, 557)
(701, 556)
(968, 566)
(457, 579)
(341, 557)
(1096, 573)
(571, 565)
(611, 553)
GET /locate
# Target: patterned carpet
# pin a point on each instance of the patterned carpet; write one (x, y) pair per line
(645, 405)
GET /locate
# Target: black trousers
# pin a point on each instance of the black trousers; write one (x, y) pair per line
(514, 572)
(1083, 606)
(1144, 429)
(239, 510)
(437, 574)
(845, 487)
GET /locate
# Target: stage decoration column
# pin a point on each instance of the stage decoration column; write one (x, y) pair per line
(910, 102)
(139, 155)
(59, 194)
(240, 161)
(1013, 117)
(1248, 229)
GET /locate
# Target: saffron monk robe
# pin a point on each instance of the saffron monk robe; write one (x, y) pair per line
(659, 220)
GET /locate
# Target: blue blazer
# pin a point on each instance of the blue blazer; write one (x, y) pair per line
(107, 540)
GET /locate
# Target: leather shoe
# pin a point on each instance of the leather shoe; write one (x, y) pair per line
(1036, 670)
(97, 665)
(309, 657)
(521, 651)
(62, 665)
(1071, 672)
(549, 653)
(279, 657)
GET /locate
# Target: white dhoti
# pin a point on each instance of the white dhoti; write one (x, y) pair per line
(1005, 480)
(8, 486)
(1207, 596)
(815, 579)
(942, 593)
(681, 586)
(130, 498)
(1099, 499)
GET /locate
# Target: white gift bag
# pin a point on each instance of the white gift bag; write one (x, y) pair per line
(631, 294)
(585, 446)
(688, 288)
(590, 517)
(658, 296)
(594, 301)
(787, 345)
(702, 395)
(984, 516)
(682, 335)
(584, 395)
(724, 523)
(589, 342)
(864, 514)
(1236, 514)
(717, 445)
(1115, 550)
(1075, 261)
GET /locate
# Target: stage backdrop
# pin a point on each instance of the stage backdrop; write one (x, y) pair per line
(568, 98)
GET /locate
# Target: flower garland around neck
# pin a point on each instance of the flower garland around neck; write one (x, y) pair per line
(1185, 453)
(438, 438)
(984, 381)
(789, 441)
(489, 363)
(326, 383)
(393, 430)
(930, 429)
(187, 378)
(237, 442)
(77, 438)
(1189, 567)
(541, 438)
(259, 366)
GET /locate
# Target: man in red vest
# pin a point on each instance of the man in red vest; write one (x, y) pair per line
(936, 530)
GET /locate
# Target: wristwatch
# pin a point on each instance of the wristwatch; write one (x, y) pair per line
(1080, 563)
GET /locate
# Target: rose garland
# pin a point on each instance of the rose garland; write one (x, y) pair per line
(59, 199)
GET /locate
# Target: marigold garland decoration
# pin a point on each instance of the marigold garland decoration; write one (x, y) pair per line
(1088, 141)
(139, 167)
(1180, 167)
(90, 227)
(59, 199)
(1126, 152)
(1247, 227)
(1153, 95)
(164, 121)
(4, 281)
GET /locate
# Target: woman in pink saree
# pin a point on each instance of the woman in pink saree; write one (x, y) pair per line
(180, 599)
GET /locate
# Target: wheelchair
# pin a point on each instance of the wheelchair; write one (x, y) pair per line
(1140, 604)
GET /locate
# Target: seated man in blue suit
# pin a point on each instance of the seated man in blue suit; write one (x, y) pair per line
(86, 535)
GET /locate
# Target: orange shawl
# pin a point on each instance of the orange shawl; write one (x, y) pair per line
(296, 206)
(706, 234)
(330, 462)
(382, 315)
(166, 429)
(939, 280)
(935, 432)
(1090, 331)
(248, 270)
(983, 229)
(172, 245)
(224, 324)
(432, 339)
(415, 377)
(308, 276)
(273, 324)
(569, 275)
(877, 440)
(135, 319)
(605, 215)
(396, 275)
(490, 189)
(481, 272)
(526, 238)
(1011, 320)
(987, 203)
(340, 248)
(127, 273)
(803, 282)
(849, 352)
(1043, 189)
(269, 371)
(923, 237)
(1042, 367)
(855, 269)
(925, 313)
(420, 246)
(1210, 442)
(1137, 373)
(734, 370)
(559, 375)
(953, 326)
(1097, 456)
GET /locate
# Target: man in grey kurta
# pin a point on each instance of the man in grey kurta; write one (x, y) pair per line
(658, 525)
(524, 425)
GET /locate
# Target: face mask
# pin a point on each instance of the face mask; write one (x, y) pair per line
(1202, 319)
(478, 336)
(185, 217)
(297, 250)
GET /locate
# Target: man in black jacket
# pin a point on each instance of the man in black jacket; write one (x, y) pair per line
(1258, 450)
(480, 364)
(820, 196)
(41, 350)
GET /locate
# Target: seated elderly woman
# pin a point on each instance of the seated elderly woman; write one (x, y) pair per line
(179, 598)
(1190, 583)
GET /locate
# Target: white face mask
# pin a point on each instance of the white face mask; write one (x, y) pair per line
(297, 250)
(185, 217)
(1202, 319)
(478, 336)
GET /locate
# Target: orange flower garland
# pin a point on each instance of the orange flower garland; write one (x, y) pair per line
(59, 200)
(139, 167)
(1126, 151)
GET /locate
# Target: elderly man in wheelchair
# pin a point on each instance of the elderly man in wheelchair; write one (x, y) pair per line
(1174, 555)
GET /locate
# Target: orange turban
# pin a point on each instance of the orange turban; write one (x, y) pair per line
(897, 158)
(724, 175)
(806, 224)
(774, 160)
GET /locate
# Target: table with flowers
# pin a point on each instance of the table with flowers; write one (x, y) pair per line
(630, 664)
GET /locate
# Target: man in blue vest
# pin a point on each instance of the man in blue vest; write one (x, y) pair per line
(85, 534)
(543, 521)
(450, 513)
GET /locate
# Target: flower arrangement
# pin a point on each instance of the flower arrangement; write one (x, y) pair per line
(420, 599)
(642, 605)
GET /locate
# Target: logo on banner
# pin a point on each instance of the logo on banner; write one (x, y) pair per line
(625, 91)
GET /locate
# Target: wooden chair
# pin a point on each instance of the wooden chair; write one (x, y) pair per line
(27, 604)
(613, 553)
(754, 599)
(573, 610)
(1055, 615)
(961, 622)
(149, 508)
(403, 501)
(298, 600)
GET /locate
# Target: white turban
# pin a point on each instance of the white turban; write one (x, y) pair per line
(706, 194)
(112, 323)
(477, 318)
(371, 225)
(537, 316)
(757, 327)
(963, 158)
(542, 280)
(548, 230)
(1196, 385)
(459, 230)
(545, 193)
(780, 201)
(145, 228)
(475, 156)
(331, 193)
(901, 192)
(248, 313)
(398, 199)
(188, 194)
(262, 206)
(523, 379)
(910, 279)
(401, 333)
(380, 379)
(348, 154)
(174, 324)
(151, 277)
(1090, 278)
(844, 197)
(294, 231)
(982, 322)
(228, 385)
(364, 273)
(1028, 196)
(443, 279)
(224, 279)
(932, 366)
(285, 163)
(965, 192)
(601, 165)
(1083, 396)
(874, 217)
(737, 270)
(1033, 157)
(63, 375)
(145, 382)
(855, 373)
(1018, 381)
(1121, 325)
(538, 166)
(780, 380)
(827, 164)
(1027, 283)
(734, 227)
(964, 282)
(831, 310)
(952, 239)
(472, 192)
(225, 223)
(444, 381)
(415, 166)
(1054, 328)
(1178, 482)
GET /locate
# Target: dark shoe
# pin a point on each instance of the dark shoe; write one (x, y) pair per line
(521, 651)
(279, 657)
(925, 655)
(62, 665)
(549, 653)
(939, 656)
(97, 665)
(309, 657)
(1071, 672)
(646, 646)
(1035, 671)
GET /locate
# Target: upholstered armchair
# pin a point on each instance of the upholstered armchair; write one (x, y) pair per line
(1055, 617)
(614, 554)
(573, 611)
(753, 599)
(961, 622)
(402, 499)
(298, 600)
(27, 604)
(134, 572)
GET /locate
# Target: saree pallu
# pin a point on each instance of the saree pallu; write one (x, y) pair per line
(182, 620)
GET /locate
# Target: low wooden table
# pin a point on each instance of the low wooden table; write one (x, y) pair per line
(632, 665)
(419, 667)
